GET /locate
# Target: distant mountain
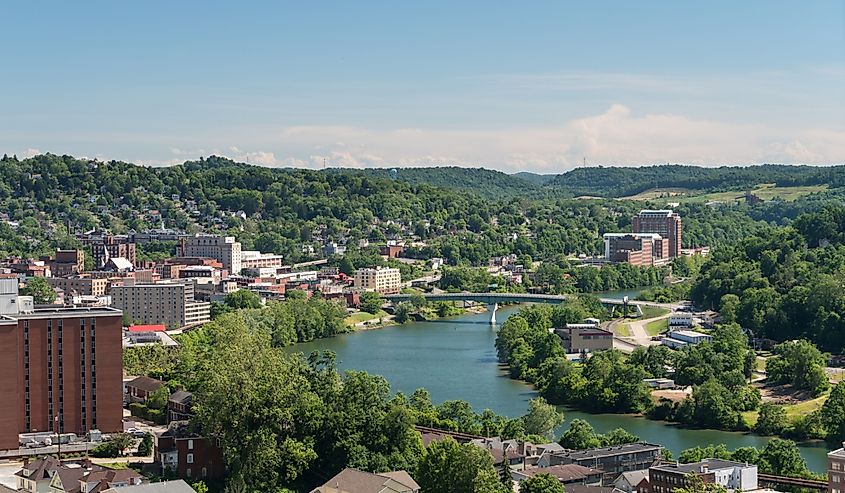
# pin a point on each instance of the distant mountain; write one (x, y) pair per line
(625, 181)
(534, 178)
(485, 182)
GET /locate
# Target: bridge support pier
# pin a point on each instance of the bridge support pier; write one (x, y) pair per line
(493, 308)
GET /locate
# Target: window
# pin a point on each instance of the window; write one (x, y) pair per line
(188, 472)
(204, 472)
(835, 466)
(190, 445)
(190, 459)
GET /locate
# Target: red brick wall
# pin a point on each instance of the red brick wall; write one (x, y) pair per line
(10, 399)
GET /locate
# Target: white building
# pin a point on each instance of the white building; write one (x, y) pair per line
(677, 339)
(253, 259)
(681, 319)
(223, 248)
(382, 280)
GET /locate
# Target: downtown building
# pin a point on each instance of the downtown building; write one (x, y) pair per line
(382, 280)
(223, 248)
(61, 368)
(168, 302)
(665, 223)
(642, 249)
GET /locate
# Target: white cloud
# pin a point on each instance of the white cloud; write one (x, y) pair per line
(30, 152)
(618, 136)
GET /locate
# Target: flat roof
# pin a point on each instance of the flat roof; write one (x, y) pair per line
(64, 311)
(711, 464)
(689, 333)
(628, 448)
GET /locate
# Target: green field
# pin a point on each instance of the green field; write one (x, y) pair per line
(359, 317)
(654, 312)
(656, 327)
(792, 410)
(623, 330)
(766, 191)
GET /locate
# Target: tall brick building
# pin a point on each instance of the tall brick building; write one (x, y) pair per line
(663, 222)
(57, 362)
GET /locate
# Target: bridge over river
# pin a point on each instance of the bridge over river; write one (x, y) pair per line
(493, 299)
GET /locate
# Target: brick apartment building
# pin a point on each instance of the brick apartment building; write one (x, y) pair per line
(635, 248)
(68, 263)
(189, 455)
(666, 223)
(58, 362)
(382, 280)
(734, 476)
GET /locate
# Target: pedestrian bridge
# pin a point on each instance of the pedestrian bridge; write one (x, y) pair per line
(493, 299)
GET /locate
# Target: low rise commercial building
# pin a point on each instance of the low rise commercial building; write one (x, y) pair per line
(589, 338)
(252, 259)
(677, 339)
(68, 263)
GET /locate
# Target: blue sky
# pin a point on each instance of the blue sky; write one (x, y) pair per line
(540, 86)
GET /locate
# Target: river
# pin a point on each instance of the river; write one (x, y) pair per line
(455, 358)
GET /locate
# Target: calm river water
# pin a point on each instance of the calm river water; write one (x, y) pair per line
(455, 359)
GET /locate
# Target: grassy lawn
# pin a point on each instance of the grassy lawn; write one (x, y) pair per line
(761, 364)
(766, 191)
(792, 410)
(359, 317)
(656, 327)
(623, 330)
(654, 311)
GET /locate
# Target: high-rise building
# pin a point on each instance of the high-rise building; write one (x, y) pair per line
(168, 302)
(61, 368)
(382, 280)
(223, 248)
(666, 223)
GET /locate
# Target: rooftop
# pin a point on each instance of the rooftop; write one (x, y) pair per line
(593, 453)
(178, 486)
(695, 467)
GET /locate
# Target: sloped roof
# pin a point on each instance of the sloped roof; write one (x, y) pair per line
(354, 481)
(145, 383)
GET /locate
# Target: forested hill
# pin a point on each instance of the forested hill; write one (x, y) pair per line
(485, 182)
(625, 181)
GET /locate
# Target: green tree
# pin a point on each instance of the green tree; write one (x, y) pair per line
(579, 436)
(541, 483)
(542, 418)
(728, 306)
(40, 290)
(371, 302)
(145, 448)
(200, 487)
(833, 414)
(243, 298)
(781, 457)
(772, 419)
(800, 364)
(403, 312)
(450, 467)
(618, 436)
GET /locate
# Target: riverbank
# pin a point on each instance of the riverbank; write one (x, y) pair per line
(454, 358)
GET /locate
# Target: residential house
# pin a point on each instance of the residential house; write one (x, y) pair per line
(633, 481)
(139, 389)
(354, 481)
(179, 406)
(188, 454)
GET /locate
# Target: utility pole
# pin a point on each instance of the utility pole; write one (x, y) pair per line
(58, 438)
